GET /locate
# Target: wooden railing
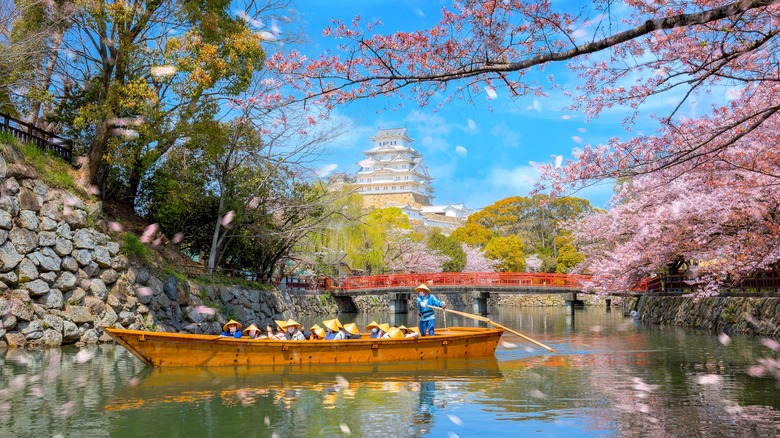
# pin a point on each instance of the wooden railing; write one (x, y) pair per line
(44, 140)
(507, 279)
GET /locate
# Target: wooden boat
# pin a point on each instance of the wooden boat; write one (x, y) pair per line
(181, 350)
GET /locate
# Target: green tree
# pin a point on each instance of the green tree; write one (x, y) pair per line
(508, 251)
(449, 247)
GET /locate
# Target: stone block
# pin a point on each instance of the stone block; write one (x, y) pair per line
(24, 240)
(28, 219)
(78, 314)
(52, 338)
(26, 271)
(36, 288)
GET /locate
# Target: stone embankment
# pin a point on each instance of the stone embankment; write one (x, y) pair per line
(62, 277)
(748, 315)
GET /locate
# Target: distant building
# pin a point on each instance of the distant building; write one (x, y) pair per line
(393, 174)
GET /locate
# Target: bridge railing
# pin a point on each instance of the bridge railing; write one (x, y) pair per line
(464, 279)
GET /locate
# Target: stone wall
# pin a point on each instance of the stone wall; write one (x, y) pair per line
(62, 280)
(757, 316)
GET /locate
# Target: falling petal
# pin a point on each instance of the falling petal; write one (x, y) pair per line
(84, 356)
(94, 190)
(771, 344)
(756, 371)
(267, 36)
(115, 227)
(144, 291)
(724, 339)
(710, 379)
(205, 310)
(490, 92)
(157, 242)
(455, 420)
(134, 381)
(147, 235)
(577, 139)
(565, 117)
(558, 161)
(267, 421)
(163, 70)
(582, 130)
(506, 344)
(452, 435)
(228, 218)
(345, 429)
(177, 238)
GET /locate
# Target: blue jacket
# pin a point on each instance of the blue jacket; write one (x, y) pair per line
(425, 312)
(237, 334)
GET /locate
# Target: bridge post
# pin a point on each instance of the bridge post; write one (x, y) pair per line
(480, 302)
(572, 302)
(609, 304)
(399, 302)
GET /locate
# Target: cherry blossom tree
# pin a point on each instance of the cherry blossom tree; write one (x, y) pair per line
(476, 260)
(701, 187)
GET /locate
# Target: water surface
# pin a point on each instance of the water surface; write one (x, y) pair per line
(609, 376)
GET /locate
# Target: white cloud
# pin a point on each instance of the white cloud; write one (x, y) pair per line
(506, 135)
(460, 150)
(520, 179)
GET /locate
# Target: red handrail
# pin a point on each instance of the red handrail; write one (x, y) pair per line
(465, 279)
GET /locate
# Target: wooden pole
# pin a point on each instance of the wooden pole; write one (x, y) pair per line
(483, 319)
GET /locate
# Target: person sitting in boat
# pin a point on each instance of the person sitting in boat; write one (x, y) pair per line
(383, 329)
(427, 318)
(231, 329)
(292, 331)
(252, 332)
(317, 333)
(374, 327)
(393, 333)
(408, 333)
(279, 335)
(335, 330)
(352, 331)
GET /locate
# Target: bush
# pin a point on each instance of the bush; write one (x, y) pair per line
(53, 171)
(133, 247)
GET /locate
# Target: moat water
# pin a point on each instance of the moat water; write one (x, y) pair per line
(610, 376)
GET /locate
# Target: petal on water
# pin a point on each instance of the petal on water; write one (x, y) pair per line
(84, 356)
(345, 429)
(724, 339)
(455, 420)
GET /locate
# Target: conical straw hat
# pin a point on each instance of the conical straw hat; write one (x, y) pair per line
(289, 323)
(332, 324)
(395, 333)
(352, 328)
(384, 327)
(371, 325)
(232, 321)
(251, 327)
(422, 287)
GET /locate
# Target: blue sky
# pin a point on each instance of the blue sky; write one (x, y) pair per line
(477, 153)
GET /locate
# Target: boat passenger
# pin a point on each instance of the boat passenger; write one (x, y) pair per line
(374, 327)
(393, 333)
(383, 329)
(314, 334)
(279, 335)
(427, 318)
(408, 333)
(292, 331)
(352, 331)
(335, 330)
(232, 329)
(252, 332)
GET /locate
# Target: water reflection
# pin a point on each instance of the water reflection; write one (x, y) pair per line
(609, 377)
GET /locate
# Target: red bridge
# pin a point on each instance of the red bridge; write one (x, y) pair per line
(449, 280)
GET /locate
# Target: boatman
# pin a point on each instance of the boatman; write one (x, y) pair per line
(427, 318)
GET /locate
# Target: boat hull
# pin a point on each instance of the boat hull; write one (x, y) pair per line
(182, 350)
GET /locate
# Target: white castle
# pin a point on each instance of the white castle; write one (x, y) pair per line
(394, 174)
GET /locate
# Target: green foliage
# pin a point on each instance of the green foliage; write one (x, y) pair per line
(170, 272)
(568, 256)
(509, 253)
(538, 221)
(378, 240)
(52, 170)
(133, 247)
(450, 247)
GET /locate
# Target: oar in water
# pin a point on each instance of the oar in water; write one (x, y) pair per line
(483, 319)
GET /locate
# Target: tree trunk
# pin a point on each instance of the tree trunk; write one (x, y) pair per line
(215, 236)
(97, 149)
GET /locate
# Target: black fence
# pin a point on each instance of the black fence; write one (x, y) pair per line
(44, 140)
(765, 284)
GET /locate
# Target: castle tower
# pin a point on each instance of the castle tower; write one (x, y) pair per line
(393, 173)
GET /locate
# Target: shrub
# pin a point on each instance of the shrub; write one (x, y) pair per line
(133, 247)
